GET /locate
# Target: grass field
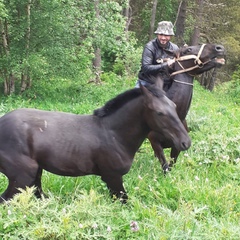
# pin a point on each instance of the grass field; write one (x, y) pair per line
(198, 200)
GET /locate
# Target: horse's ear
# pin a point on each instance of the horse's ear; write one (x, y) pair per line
(159, 81)
(143, 89)
(148, 96)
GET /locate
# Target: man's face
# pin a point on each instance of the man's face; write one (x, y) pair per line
(163, 39)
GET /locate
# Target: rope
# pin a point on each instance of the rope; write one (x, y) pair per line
(197, 61)
(191, 84)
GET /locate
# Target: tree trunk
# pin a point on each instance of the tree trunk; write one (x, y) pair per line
(127, 13)
(153, 17)
(180, 23)
(198, 15)
(97, 51)
(208, 79)
(97, 65)
(212, 80)
(9, 83)
(26, 80)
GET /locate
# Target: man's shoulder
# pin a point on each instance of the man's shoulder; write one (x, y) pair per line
(151, 43)
(173, 46)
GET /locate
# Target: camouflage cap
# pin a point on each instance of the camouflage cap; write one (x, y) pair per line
(165, 28)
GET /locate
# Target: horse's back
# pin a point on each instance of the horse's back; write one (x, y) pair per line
(24, 123)
(56, 140)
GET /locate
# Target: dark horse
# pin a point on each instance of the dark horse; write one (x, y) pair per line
(103, 144)
(190, 61)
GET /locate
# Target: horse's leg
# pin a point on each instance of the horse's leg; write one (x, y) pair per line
(9, 192)
(185, 125)
(115, 185)
(158, 150)
(174, 155)
(174, 152)
(20, 174)
(20, 181)
(39, 192)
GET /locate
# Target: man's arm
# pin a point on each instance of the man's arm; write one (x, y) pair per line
(147, 63)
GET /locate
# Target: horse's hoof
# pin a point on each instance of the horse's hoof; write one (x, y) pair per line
(123, 201)
(123, 197)
(2, 200)
(166, 170)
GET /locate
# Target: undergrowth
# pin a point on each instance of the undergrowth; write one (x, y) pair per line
(198, 199)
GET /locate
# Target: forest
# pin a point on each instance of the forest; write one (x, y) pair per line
(73, 56)
(83, 40)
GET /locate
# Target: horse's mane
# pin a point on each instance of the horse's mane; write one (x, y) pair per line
(116, 103)
(179, 52)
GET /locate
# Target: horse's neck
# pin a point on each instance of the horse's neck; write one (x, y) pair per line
(180, 93)
(184, 78)
(128, 124)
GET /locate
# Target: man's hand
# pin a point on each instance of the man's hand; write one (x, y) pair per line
(170, 62)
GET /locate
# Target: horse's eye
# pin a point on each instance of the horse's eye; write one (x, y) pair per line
(160, 113)
(187, 51)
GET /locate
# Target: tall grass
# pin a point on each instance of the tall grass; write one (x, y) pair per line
(198, 199)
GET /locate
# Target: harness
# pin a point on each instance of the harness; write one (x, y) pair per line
(197, 61)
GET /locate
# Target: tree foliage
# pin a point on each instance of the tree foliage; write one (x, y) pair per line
(62, 37)
(43, 39)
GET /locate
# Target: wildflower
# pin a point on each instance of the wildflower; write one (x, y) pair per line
(109, 229)
(9, 212)
(197, 178)
(80, 225)
(237, 160)
(134, 226)
(225, 157)
(94, 226)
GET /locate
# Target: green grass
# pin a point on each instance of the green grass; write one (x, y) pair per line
(198, 199)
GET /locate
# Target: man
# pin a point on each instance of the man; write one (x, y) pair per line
(155, 60)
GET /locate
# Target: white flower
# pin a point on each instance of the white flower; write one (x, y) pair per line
(94, 226)
(197, 178)
(134, 226)
(109, 229)
(80, 225)
(225, 157)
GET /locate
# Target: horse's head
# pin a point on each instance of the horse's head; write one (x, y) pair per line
(198, 59)
(161, 116)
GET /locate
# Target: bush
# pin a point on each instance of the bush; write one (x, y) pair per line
(234, 86)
